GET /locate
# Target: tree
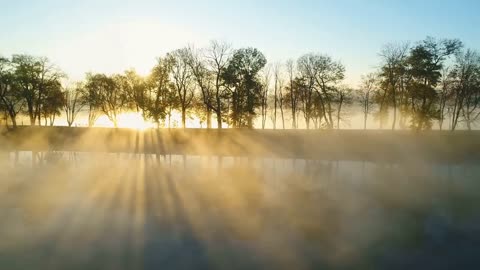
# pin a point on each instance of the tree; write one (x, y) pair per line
(266, 76)
(424, 64)
(35, 78)
(73, 102)
(278, 94)
(53, 102)
(466, 88)
(91, 96)
(182, 81)
(343, 96)
(11, 102)
(445, 95)
(218, 57)
(136, 92)
(106, 95)
(308, 98)
(326, 74)
(204, 80)
(365, 95)
(292, 97)
(391, 72)
(241, 77)
(161, 91)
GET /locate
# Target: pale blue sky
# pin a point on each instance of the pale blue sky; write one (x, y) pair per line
(110, 36)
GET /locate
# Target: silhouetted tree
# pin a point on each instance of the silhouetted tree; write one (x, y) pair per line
(136, 91)
(73, 102)
(218, 56)
(11, 102)
(105, 93)
(365, 95)
(466, 88)
(161, 91)
(91, 96)
(291, 96)
(204, 79)
(391, 72)
(424, 64)
(307, 95)
(35, 78)
(278, 94)
(264, 94)
(182, 78)
(343, 95)
(326, 74)
(52, 104)
(241, 77)
(445, 96)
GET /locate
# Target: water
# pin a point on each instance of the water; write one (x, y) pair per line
(126, 211)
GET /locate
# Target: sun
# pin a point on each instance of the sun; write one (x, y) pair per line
(133, 120)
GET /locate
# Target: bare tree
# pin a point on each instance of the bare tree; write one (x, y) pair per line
(266, 77)
(278, 94)
(182, 81)
(218, 55)
(466, 89)
(281, 102)
(73, 102)
(292, 95)
(393, 68)
(365, 95)
(325, 73)
(204, 80)
(445, 95)
(343, 96)
(106, 94)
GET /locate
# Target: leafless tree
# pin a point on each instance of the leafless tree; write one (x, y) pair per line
(73, 102)
(182, 81)
(343, 96)
(445, 95)
(204, 80)
(365, 94)
(326, 74)
(393, 57)
(218, 55)
(278, 94)
(292, 95)
(466, 88)
(264, 94)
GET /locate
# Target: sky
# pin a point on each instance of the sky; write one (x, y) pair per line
(114, 35)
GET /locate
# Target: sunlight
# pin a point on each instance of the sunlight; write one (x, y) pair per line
(192, 121)
(133, 120)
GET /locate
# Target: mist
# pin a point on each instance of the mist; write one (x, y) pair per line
(125, 199)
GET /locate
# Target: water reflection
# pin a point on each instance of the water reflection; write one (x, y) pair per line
(64, 210)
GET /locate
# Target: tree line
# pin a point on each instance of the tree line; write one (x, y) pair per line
(415, 86)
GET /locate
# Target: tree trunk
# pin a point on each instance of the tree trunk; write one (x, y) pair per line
(294, 120)
(365, 121)
(394, 109)
(209, 118)
(219, 119)
(283, 118)
(184, 118)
